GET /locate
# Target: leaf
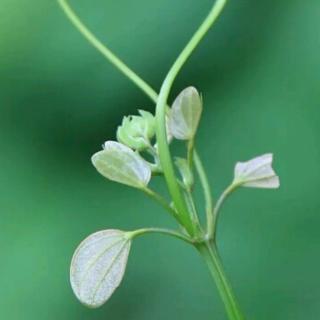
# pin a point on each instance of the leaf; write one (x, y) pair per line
(257, 173)
(98, 266)
(185, 114)
(119, 163)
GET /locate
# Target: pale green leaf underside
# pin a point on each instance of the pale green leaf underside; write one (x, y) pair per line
(257, 173)
(185, 114)
(98, 266)
(119, 163)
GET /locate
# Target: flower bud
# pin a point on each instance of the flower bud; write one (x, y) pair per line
(137, 131)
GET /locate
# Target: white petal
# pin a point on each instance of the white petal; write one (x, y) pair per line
(98, 266)
(119, 163)
(257, 173)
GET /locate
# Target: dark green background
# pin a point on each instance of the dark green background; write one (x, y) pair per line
(259, 72)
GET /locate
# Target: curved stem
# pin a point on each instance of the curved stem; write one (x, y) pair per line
(165, 156)
(168, 232)
(226, 193)
(107, 53)
(207, 192)
(162, 201)
(211, 257)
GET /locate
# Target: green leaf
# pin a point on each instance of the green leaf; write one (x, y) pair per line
(256, 173)
(185, 114)
(119, 163)
(98, 266)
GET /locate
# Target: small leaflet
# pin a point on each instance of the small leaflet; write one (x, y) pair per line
(185, 114)
(119, 163)
(98, 266)
(257, 173)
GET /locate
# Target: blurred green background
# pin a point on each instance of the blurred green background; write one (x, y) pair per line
(259, 72)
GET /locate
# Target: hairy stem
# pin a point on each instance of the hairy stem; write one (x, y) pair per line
(164, 151)
(212, 259)
(107, 53)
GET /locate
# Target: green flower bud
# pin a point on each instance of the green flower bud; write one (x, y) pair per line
(137, 131)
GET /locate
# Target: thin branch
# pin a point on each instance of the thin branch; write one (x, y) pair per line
(106, 52)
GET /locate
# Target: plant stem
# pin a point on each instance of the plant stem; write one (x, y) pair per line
(164, 151)
(207, 192)
(215, 214)
(168, 232)
(162, 201)
(193, 210)
(107, 53)
(212, 259)
(190, 154)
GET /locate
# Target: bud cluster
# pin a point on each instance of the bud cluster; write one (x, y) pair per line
(122, 160)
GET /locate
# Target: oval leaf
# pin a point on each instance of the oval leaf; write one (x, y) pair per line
(185, 114)
(257, 173)
(98, 266)
(119, 163)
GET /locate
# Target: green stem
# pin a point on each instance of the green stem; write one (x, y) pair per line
(168, 232)
(162, 201)
(190, 153)
(212, 259)
(207, 192)
(226, 193)
(164, 151)
(107, 53)
(193, 210)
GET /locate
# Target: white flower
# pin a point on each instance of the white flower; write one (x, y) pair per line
(256, 173)
(119, 163)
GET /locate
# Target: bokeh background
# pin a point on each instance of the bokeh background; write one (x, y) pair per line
(259, 72)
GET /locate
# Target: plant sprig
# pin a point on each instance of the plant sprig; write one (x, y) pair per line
(99, 263)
